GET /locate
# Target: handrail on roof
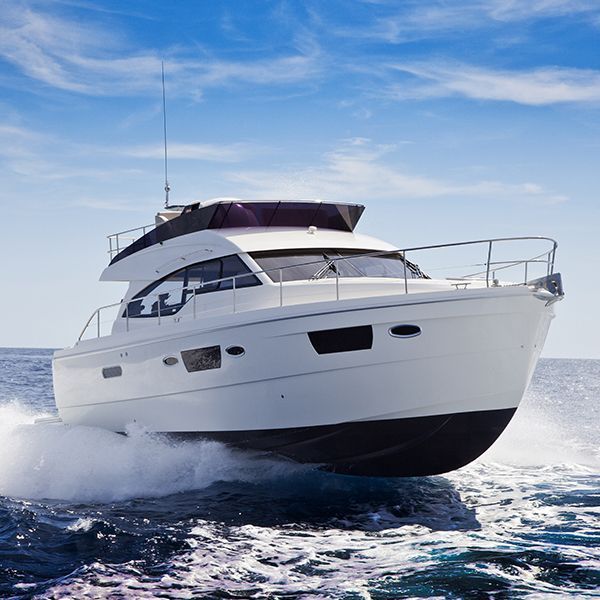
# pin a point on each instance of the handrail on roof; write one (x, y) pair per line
(490, 269)
(115, 239)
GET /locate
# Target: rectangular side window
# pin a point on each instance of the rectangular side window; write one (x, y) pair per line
(202, 359)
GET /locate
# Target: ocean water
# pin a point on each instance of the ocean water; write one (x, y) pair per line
(85, 513)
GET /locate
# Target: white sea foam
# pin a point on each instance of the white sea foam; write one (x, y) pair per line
(87, 464)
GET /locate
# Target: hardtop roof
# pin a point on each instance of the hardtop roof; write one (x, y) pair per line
(248, 214)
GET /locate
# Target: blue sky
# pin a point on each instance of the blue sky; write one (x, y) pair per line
(449, 120)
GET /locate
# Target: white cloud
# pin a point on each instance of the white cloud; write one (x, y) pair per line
(17, 141)
(42, 157)
(536, 87)
(517, 10)
(71, 56)
(126, 204)
(357, 171)
(417, 20)
(207, 152)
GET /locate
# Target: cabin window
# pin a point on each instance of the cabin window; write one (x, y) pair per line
(326, 263)
(108, 372)
(346, 339)
(169, 294)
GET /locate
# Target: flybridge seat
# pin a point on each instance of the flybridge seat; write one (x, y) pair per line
(247, 214)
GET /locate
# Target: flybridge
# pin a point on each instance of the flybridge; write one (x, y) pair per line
(238, 214)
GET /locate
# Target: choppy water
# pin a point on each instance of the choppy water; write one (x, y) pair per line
(87, 513)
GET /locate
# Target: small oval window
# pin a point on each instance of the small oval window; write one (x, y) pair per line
(235, 350)
(170, 361)
(405, 331)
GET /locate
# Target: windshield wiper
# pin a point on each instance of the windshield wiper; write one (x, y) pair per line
(322, 272)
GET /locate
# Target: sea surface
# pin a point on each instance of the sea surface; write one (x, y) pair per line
(85, 513)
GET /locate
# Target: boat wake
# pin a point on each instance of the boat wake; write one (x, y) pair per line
(87, 464)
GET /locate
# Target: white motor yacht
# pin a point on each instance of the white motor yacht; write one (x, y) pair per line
(274, 326)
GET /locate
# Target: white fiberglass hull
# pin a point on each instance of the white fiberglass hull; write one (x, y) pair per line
(472, 360)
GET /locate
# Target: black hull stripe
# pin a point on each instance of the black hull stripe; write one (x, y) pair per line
(391, 448)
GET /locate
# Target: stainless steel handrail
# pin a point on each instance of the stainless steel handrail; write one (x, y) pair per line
(511, 263)
(550, 258)
(114, 246)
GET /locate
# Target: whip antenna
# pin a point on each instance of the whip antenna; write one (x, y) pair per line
(167, 187)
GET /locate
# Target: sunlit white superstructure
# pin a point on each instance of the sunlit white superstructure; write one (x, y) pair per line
(274, 326)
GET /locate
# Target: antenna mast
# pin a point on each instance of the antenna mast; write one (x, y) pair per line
(167, 187)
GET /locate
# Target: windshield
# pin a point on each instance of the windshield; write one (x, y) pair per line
(328, 262)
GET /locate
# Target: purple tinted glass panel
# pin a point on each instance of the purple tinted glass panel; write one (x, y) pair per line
(219, 216)
(294, 214)
(286, 214)
(329, 216)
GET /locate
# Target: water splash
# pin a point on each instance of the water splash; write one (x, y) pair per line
(557, 422)
(87, 464)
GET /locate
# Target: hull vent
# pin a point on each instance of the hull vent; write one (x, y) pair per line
(346, 339)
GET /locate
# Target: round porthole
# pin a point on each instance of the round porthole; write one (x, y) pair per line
(405, 331)
(235, 351)
(170, 361)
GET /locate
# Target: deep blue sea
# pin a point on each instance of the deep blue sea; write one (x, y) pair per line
(85, 513)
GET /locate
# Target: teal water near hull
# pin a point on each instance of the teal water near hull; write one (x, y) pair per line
(88, 513)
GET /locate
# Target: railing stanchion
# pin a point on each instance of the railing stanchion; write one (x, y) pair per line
(194, 301)
(234, 304)
(98, 322)
(158, 308)
(280, 287)
(487, 269)
(526, 264)
(127, 317)
(405, 273)
(337, 283)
